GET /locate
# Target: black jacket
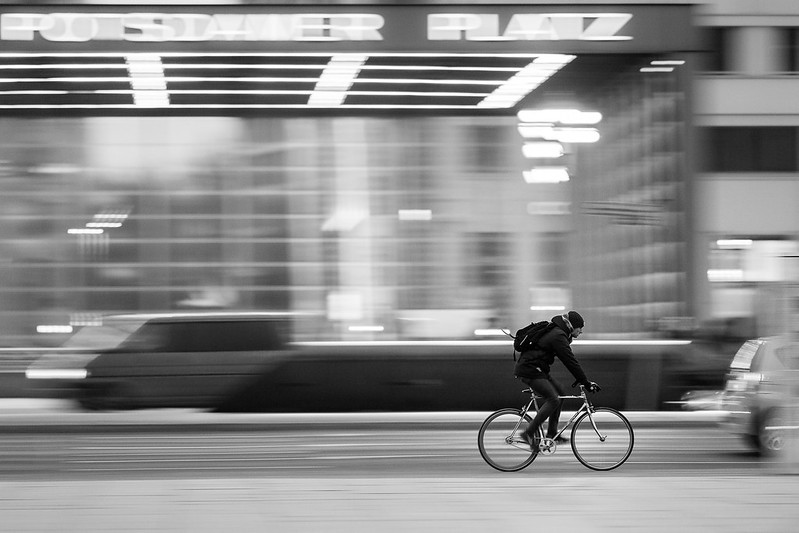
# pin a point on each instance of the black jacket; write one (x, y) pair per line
(556, 342)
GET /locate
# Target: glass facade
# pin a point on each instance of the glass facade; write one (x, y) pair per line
(363, 227)
(631, 247)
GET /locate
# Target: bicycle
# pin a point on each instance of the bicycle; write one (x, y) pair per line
(601, 437)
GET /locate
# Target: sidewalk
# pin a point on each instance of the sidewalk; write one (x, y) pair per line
(36, 414)
(502, 502)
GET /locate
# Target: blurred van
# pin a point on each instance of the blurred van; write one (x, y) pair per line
(167, 360)
(760, 392)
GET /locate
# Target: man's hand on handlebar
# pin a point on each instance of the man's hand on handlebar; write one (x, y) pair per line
(592, 386)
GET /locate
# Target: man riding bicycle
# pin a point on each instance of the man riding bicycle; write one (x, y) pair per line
(533, 369)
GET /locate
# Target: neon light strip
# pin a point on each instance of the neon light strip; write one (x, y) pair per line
(252, 92)
(270, 79)
(150, 88)
(17, 55)
(633, 342)
(452, 107)
(238, 66)
(9, 93)
(490, 343)
(665, 62)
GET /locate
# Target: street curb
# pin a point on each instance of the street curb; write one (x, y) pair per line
(57, 416)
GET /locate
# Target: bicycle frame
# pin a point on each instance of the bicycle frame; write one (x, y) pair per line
(587, 407)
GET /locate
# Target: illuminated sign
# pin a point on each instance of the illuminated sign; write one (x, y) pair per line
(161, 27)
(360, 56)
(344, 26)
(528, 27)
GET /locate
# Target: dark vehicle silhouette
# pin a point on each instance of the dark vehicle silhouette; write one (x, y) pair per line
(169, 360)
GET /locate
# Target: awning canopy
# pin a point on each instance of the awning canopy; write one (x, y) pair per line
(474, 58)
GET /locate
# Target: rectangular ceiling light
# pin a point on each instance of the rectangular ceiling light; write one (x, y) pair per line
(546, 175)
(147, 80)
(455, 81)
(415, 214)
(734, 243)
(526, 80)
(542, 150)
(336, 79)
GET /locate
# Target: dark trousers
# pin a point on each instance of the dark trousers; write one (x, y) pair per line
(549, 389)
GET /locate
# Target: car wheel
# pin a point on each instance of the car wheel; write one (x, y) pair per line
(771, 433)
(91, 398)
(107, 397)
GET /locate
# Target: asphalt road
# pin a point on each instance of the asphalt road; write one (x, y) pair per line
(68, 471)
(371, 451)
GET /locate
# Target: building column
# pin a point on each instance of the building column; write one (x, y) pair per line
(757, 50)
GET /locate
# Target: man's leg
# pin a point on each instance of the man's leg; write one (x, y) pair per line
(554, 418)
(551, 404)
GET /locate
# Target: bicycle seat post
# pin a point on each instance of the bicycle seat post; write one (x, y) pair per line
(535, 398)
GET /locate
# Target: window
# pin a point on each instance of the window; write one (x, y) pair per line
(793, 50)
(148, 338)
(743, 358)
(223, 336)
(750, 149)
(717, 56)
(204, 336)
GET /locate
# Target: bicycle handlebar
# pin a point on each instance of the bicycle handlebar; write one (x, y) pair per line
(589, 389)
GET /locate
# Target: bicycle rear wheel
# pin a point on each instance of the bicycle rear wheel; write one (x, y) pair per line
(500, 440)
(606, 447)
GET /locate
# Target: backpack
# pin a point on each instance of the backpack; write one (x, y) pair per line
(527, 337)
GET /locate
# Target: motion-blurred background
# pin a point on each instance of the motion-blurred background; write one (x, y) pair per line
(397, 173)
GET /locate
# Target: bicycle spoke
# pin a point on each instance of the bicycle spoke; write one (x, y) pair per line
(501, 443)
(604, 444)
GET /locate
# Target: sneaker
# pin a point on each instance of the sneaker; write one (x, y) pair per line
(532, 442)
(561, 440)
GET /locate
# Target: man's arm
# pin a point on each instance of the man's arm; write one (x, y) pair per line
(564, 352)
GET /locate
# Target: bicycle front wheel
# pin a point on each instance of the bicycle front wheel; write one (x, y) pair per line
(603, 439)
(500, 440)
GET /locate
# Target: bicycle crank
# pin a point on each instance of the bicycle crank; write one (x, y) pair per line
(547, 446)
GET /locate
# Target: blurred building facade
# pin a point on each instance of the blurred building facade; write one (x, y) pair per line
(393, 226)
(747, 119)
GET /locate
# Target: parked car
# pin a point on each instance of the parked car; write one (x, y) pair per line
(761, 391)
(168, 360)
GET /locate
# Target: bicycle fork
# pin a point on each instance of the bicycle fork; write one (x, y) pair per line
(593, 425)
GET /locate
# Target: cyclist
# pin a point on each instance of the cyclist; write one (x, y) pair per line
(533, 369)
